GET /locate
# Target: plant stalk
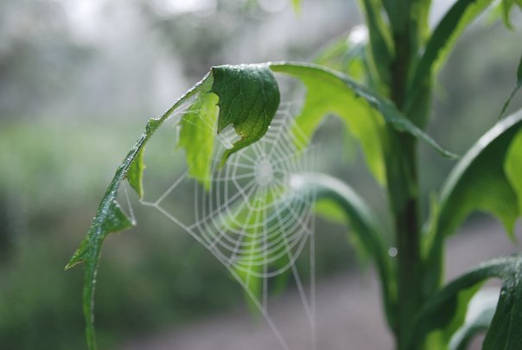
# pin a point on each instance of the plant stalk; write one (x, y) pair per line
(403, 191)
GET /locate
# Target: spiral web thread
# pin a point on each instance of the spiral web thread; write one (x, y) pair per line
(251, 218)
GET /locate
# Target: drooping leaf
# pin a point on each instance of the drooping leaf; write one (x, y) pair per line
(330, 211)
(483, 180)
(134, 170)
(328, 94)
(443, 309)
(197, 134)
(479, 181)
(109, 217)
(248, 100)
(363, 222)
(364, 112)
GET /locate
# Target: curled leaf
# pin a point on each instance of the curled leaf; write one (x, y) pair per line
(248, 99)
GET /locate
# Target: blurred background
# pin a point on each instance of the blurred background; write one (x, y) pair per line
(79, 79)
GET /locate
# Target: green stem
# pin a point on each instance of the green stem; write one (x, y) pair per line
(403, 190)
(403, 195)
(408, 243)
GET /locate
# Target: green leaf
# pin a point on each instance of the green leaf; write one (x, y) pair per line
(475, 323)
(197, 136)
(420, 12)
(445, 309)
(248, 100)
(109, 218)
(443, 39)
(479, 181)
(452, 317)
(513, 167)
(364, 112)
(380, 39)
(135, 172)
(485, 179)
(329, 94)
(333, 212)
(439, 45)
(504, 331)
(330, 211)
(363, 222)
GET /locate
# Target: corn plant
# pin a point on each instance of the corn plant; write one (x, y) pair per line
(382, 88)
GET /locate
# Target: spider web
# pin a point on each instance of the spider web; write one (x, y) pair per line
(251, 217)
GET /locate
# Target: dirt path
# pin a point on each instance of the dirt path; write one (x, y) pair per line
(348, 309)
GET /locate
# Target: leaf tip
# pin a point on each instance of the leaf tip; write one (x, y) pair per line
(451, 155)
(134, 174)
(71, 264)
